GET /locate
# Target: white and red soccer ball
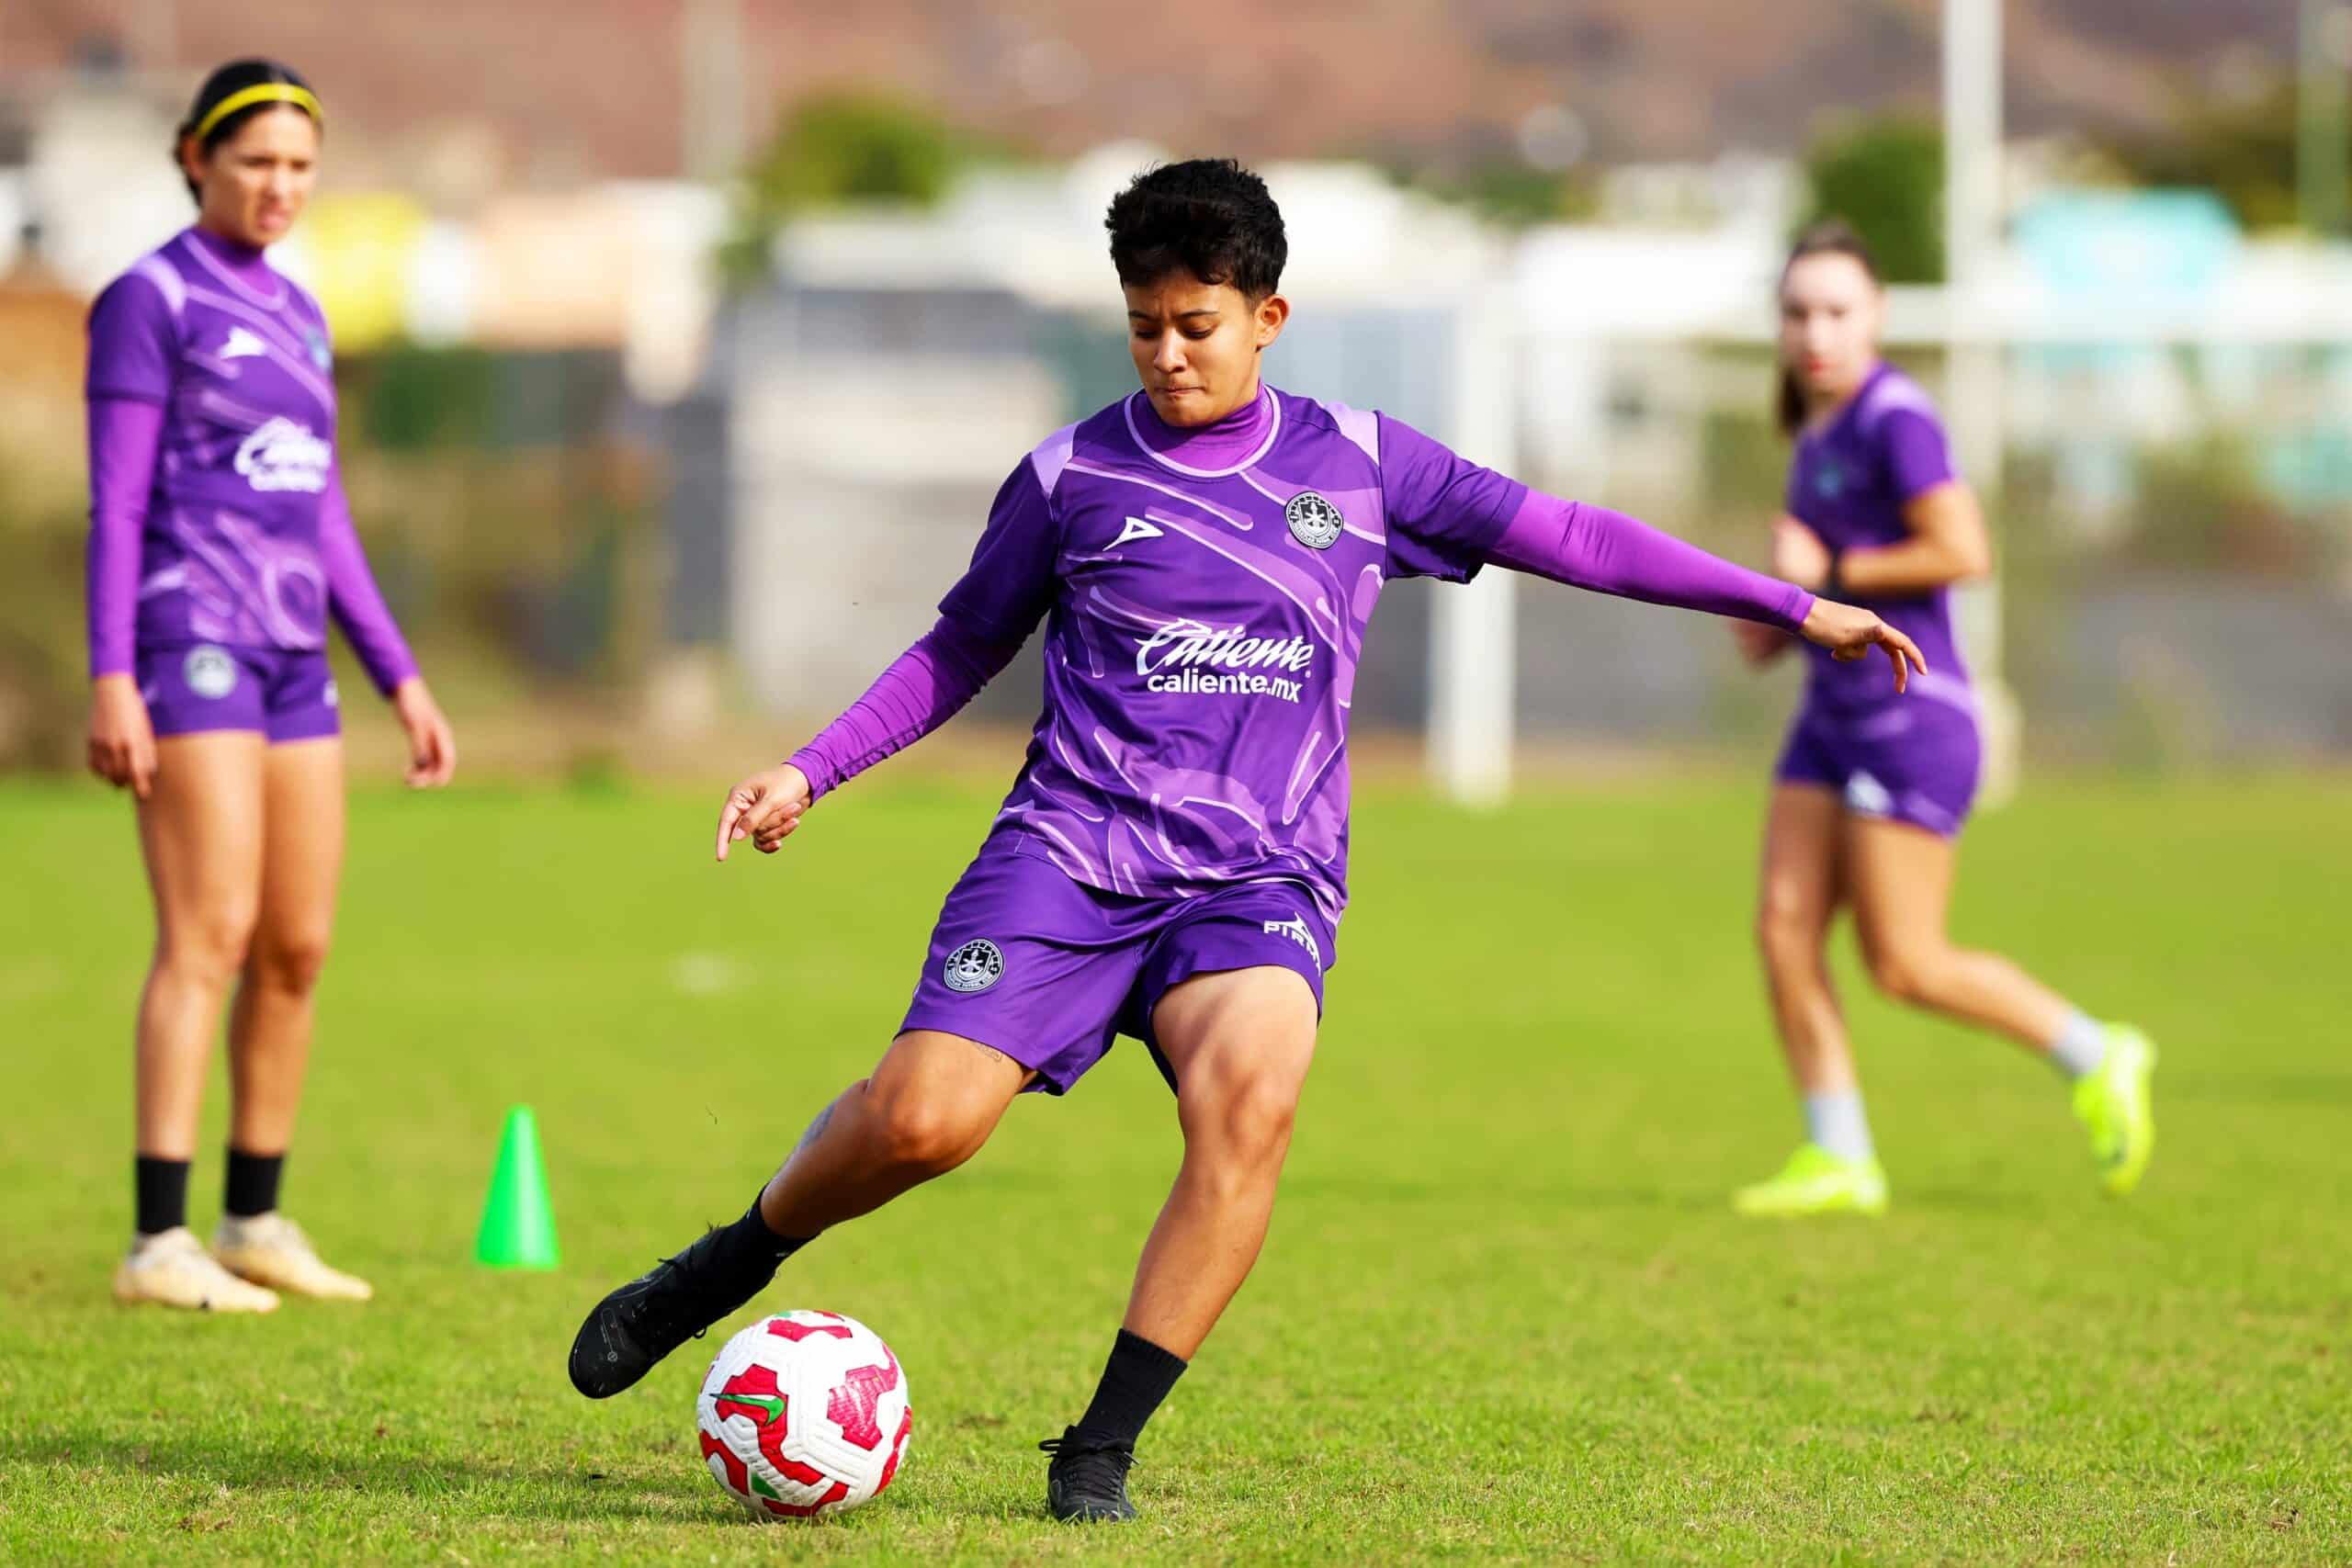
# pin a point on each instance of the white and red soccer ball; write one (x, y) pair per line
(804, 1414)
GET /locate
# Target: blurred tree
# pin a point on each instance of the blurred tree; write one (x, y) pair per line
(1885, 176)
(833, 150)
(2242, 148)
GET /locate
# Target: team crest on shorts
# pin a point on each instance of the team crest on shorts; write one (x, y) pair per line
(1865, 796)
(975, 966)
(1314, 522)
(210, 673)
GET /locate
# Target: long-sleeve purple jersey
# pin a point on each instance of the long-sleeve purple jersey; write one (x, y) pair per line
(217, 512)
(1206, 596)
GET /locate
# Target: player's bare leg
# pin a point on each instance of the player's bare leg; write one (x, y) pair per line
(1240, 1043)
(929, 1106)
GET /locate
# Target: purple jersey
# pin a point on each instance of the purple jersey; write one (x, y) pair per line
(1850, 483)
(1204, 624)
(243, 538)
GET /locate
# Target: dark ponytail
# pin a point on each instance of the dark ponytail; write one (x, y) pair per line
(1828, 237)
(241, 76)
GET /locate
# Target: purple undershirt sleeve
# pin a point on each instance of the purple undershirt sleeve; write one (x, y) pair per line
(125, 436)
(1591, 546)
(359, 608)
(923, 689)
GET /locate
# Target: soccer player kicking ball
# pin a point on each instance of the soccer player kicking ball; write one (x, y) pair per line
(1172, 862)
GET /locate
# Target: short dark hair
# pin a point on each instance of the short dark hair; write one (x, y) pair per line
(223, 84)
(1826, 237)
(1209, 216)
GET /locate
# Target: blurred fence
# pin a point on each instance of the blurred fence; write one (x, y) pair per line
(2175, 528)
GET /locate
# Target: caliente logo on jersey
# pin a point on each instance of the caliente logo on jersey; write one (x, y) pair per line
(1191, 658)
(1314, 522)
(284, 455)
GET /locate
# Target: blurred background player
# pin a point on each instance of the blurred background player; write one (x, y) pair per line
(1171, 864)
(1870, 794)
(219, 542)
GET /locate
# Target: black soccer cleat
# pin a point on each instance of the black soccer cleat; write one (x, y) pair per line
(634, 1327)
(1088, 1480)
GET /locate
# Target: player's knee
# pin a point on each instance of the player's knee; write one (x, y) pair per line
(288, 962)
(1251, 1115)
(207, 948)
(926, 1132)
(1788, 935)
(1905, 974)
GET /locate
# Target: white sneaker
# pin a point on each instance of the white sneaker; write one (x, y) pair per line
(171, 1269)
(270, 1250)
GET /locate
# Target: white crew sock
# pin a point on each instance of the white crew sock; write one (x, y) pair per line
(2080, 1047)
(1835, 1121)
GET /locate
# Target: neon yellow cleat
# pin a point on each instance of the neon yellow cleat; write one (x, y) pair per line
(1815, 1181)
(2114, 1106)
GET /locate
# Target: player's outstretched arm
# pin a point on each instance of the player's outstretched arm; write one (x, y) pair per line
(923, 689)
(1590, 547)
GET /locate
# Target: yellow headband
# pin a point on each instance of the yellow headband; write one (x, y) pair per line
(266, 92)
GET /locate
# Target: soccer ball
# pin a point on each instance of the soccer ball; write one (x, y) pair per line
(803, 1415)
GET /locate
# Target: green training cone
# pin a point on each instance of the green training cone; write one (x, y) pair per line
(518, 1222)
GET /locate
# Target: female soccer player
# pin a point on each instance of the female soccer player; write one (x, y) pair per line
(220, 539)
(1870, 794)
(1172, 862)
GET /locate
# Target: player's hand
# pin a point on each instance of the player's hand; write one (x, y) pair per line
(1849, 634)
(765, 808)
(1798, 554)
(432, 745)
(122, 737)
(1759, 644)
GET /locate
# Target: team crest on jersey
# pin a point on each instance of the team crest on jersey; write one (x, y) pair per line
(1829, 480)
(975, 966)
(1314, 522)
(210, 673)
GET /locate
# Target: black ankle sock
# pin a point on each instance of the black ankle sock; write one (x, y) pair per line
(1134, 1385)
(253, 1182)
(748, 1253)
(161, 1188)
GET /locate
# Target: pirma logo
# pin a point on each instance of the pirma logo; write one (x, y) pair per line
(210, 673)
(1314, 522)
(1296, 929)
(975, 966)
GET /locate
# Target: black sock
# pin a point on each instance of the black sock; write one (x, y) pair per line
(748, 1253)
(253, 1182)
(1132, 1385)
(161, 1186)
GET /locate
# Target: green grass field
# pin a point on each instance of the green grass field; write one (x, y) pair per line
(1505, 1312)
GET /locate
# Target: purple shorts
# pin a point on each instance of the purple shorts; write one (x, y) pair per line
(1913, 761)
(1047, 969)
(287, 694)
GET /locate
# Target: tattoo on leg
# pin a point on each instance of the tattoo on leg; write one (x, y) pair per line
(988, 1051)
(815, 1130)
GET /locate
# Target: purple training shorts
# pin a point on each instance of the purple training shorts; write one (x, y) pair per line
(1047, 969)
(288, 694)
(1914, 761)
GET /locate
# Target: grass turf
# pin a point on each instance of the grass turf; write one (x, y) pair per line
(1504, 1311)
